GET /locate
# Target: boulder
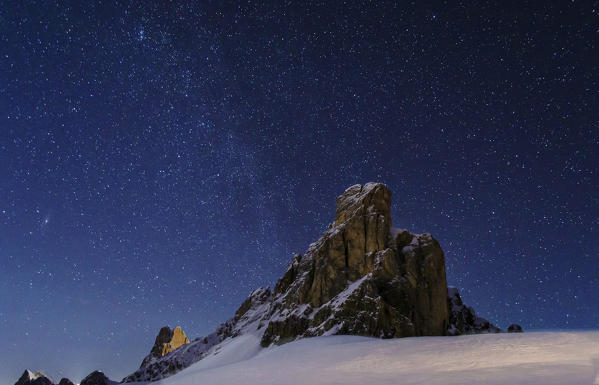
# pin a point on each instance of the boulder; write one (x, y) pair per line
(514, 328)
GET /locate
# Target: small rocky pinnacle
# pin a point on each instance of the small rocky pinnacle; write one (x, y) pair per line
(178, 339)
(166, 341)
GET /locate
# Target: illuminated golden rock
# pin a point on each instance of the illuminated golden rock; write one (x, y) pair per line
(178, 339)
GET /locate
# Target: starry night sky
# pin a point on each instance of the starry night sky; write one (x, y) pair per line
(160, 160)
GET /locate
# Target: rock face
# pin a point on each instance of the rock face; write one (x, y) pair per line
(463, 319)
(514, 328)
(30, 378)
(179, 339)
(167, 341)
(362, 277)
(65, 381)
(164, 337)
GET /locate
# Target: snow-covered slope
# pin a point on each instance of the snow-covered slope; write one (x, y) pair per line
(547, 358)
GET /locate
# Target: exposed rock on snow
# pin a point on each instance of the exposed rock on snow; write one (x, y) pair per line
(30, 378)
(362, 277)
(39, 378)
(97, 378)
(179, 339)
(463, 319)
(514, 328)
(172, 351)
(165, 334)
(167, 341)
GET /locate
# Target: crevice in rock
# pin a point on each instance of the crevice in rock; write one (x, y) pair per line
(365, 224)
(376, 226)
(345, 249)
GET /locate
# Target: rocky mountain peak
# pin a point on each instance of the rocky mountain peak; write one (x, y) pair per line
(157, 363)
(345, 252)
(177, 340)
(97, 378)
(165, 334)
(358, 200)
(38, 378)
(362, 277)
(166, 341)
(30, 378)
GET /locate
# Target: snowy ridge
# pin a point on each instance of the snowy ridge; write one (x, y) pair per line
(159, 367)
(198, 349)
(246, 330)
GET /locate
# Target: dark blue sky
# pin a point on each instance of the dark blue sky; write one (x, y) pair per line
(159, 162)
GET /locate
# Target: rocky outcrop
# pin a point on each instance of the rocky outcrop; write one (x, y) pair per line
(164, 337)
(514, 328)
(172, 351)
(179, 339)
(362, 277)
(463, 319)
(38, 378)
(97, 378)
(166, 341)
(30, 378)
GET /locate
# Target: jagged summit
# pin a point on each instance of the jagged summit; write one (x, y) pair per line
(167, 341)
(39, 378)
(97, 378)
(178, 339)
(361, 277)
(30, 378)
(359, 199)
